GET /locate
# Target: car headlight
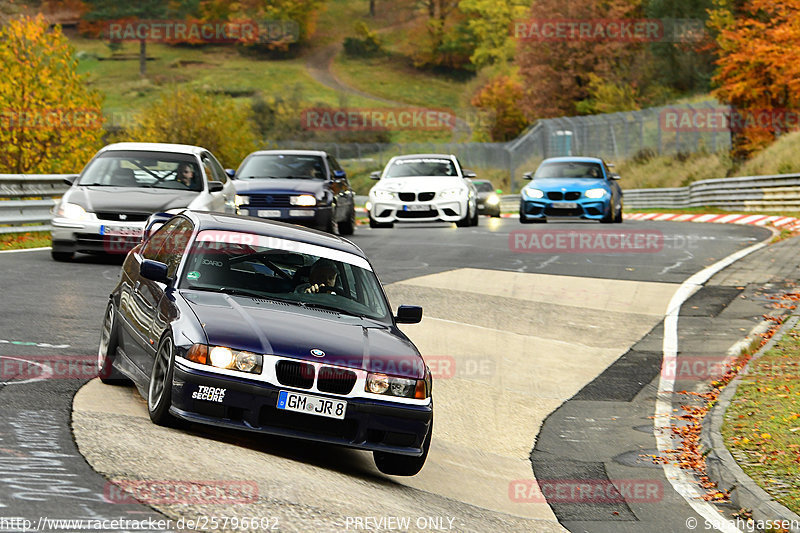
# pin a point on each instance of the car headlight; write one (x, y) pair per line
(72, 211)
(306, 200)
(493, 199)
(223, 357)
(595, 193)
(383, 195)
(378, 383)
(241, 200)
(453, 193)
(533, 193)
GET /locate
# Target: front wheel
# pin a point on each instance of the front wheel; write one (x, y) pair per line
(109, 341)
(348, 226)
(475, 221)
(618, 217)
(403, 465)
(159, 393)
(62, 256)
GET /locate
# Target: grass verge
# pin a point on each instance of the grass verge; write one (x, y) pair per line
(762, 424)
(19, 241)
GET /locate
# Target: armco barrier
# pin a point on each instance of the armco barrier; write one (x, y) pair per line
(750, 193)
(26, 200)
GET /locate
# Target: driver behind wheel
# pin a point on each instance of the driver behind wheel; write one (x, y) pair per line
(322, 279)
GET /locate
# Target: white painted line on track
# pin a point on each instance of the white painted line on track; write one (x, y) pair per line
(24, 250)
(683, 483)
(47, 372)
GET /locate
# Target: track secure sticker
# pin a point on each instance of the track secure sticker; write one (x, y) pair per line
(211, 394)
(193, 275)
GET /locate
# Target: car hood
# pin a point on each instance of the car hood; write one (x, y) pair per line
(128, 199)
(269, 327)
(420, 183)
(286, 186)
(571, 184)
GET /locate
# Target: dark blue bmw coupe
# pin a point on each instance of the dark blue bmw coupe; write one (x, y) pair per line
(249, 324)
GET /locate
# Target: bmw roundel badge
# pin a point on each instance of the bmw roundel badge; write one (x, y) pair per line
(317, 353)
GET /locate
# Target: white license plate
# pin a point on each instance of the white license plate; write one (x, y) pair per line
(121, 231)
(418, 207)
(311, 405)
(269, 213)
(564, 205)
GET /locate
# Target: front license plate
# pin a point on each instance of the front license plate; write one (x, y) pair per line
(311, 405)
(269, 213)
(564, 205)
(418, 207)
(121, 231)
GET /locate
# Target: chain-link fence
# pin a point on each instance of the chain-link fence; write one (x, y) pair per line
(683, 128)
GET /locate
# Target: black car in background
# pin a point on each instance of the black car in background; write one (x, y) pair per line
(488, 199)
(304, 187)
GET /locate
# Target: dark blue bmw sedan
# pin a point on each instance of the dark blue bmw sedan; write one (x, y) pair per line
(262, 326)
(576, 187)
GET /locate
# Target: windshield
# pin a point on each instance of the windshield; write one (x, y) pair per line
(483, 186)
(569, 169)
(289, 271)
(402, 168)
(282, 166)
(144, 169)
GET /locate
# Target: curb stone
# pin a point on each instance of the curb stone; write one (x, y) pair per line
(723, 469)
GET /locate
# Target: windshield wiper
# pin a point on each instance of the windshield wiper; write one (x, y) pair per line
(95, 185)
(228, 290)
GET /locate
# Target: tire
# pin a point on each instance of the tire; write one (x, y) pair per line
(393, 464)
(159, 391)
(349, 226)
(465, 221)
(109, 341)
(618, 217)
(61, 256)
(375, 224)
(332, 226)
(609, 218)
(475, 221)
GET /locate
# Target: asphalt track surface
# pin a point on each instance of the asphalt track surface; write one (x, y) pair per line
(531, 331)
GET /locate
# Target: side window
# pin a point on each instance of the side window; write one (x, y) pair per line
(172, 249)
(217, 171)
(150, 250)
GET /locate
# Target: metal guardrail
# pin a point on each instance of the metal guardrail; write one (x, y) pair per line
(26, 201)
(779, 192)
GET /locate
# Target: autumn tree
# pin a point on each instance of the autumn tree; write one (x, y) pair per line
(50, 121)
(444, 38)
(489, 22)
(500, 98)
(556, 73)
(758, 66)
(223, 126)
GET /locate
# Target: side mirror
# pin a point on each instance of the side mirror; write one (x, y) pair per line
(339, 174)
(613, 176)
(375, 175)
(215, 186)
(155, 221)
(408, 314)
(69, 180)
(230, 172)
(527, 176)
(154, 270)
(469, 173)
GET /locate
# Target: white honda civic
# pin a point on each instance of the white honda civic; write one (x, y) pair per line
(423, 188)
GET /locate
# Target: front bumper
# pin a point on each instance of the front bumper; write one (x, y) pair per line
(247, 405)
(396, 211)
(95, 236)
(586, 208)
(317, 216)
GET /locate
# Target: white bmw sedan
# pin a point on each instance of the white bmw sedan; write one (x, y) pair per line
(423, 188)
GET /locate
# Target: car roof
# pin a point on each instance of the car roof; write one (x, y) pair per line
(418, 156)
(155, 147)
(318, 153)
(574, 159)
(206, 220)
